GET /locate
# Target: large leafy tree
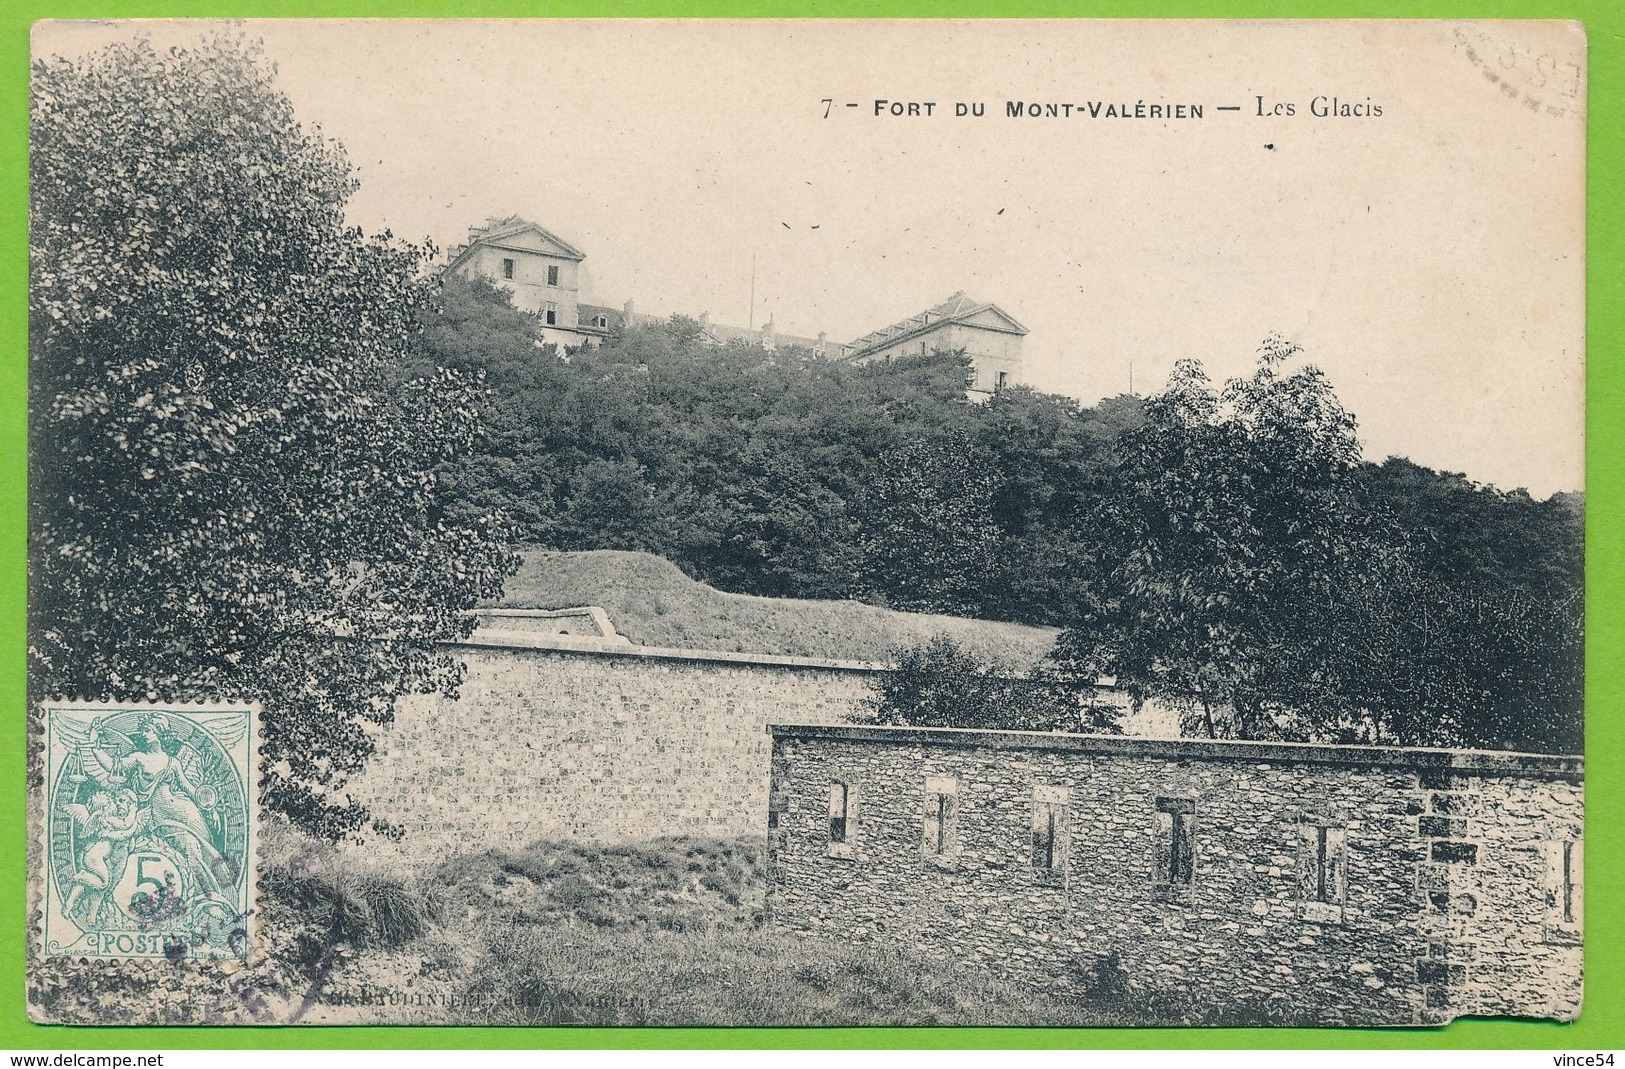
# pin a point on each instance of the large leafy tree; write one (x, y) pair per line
(1270, 585)
(232, 491)
(1241, 524)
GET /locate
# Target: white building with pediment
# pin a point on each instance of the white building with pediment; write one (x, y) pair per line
(988, 334)
(542, 273)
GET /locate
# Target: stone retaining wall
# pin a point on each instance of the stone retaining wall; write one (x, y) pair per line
(1276, 882)
(594, 739)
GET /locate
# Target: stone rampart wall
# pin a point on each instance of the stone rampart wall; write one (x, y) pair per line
(1302, 884)
(565, 737)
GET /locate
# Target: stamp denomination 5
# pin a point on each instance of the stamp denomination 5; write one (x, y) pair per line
(149, 831)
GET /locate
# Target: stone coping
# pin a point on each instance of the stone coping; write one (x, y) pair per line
(525, 640)
(1466, 761)
(599, 618)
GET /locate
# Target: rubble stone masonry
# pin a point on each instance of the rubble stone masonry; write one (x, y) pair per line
(1298, 884)
(563, 738)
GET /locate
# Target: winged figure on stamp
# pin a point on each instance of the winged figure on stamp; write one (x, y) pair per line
(149, 790)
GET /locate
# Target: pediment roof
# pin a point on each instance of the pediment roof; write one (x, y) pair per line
(511, 233)
(958, 308)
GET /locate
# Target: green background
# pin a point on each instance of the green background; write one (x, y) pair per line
(1601, 1025)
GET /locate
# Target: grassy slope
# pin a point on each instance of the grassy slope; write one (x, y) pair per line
(652, 602)
(665, 932)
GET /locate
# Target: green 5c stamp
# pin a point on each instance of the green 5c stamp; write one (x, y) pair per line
(150, 827)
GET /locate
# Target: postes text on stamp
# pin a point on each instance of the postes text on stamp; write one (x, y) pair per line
(149, 827)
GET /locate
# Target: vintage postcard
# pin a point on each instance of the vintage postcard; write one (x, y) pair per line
(818, 522)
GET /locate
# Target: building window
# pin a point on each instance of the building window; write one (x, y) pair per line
(550, 314)
(1050, 831)
(1565, 887)
(507, 268)
(1176, 841)
(1004, 376)
(552, 274)
(1570, 884)
(600, 321)
(1322, 868)
(843, 818)
(839, 795)
(941, 839)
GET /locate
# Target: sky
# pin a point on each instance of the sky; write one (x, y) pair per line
(1430, 259)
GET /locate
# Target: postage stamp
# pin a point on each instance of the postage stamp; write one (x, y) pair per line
(149, 829)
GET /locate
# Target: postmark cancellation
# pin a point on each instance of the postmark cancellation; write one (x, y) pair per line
(146, 828)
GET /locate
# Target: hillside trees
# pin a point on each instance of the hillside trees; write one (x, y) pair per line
(232, 493)
(1483, 639)
(783, 474)
(928, 541)
(1236, 511)
(1222, 548)
(1050, 462)
(514, 466)
(1270, 585)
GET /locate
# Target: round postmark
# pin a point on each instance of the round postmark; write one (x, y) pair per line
(1539, 78)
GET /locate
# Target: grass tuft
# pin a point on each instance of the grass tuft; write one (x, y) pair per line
(363, 905)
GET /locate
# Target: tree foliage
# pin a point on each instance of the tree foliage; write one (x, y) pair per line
(928, 541)
(781, 474)
(1481, 640)
(1221, 548)
(942, 685)
(1271, 586)
(232, 488)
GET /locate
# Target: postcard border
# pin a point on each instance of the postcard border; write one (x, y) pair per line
(1602, 1022)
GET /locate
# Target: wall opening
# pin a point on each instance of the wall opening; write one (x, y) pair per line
(1176, 842)
(1565, 889)
(940, 839)
(843, 825)
(1568, 883)
(1322, 868)
(1050, 833)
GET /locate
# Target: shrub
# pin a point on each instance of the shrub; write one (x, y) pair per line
(363, 906)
